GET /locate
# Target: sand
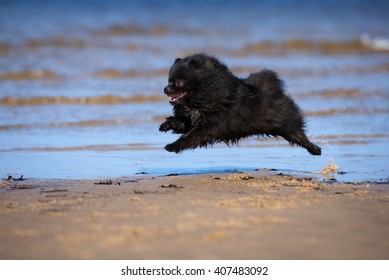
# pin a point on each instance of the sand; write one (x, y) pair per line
(258, 215)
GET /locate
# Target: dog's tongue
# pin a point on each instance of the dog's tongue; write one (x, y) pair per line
(175, 95)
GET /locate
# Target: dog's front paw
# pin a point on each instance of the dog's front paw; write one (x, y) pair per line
(173, 147)
(165, 126)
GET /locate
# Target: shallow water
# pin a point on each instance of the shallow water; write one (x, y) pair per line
(81, 84)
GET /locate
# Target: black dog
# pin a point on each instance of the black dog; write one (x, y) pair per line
(212, 105)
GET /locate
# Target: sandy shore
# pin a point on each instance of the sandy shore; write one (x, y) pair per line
(259, 215)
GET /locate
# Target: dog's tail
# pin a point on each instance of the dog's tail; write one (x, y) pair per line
(266, 81)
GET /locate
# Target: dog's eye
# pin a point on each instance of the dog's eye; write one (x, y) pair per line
(179, 83)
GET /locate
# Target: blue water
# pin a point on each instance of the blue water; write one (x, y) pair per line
(94, 49)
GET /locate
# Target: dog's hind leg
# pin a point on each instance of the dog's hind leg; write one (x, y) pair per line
(299, 138)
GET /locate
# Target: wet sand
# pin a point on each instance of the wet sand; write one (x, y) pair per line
(257, 215)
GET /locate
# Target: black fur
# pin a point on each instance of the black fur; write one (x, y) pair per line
(212, 105)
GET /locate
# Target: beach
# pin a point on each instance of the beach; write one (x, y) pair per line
(256, 215)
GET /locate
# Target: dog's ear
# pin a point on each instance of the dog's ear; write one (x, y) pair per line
(177, 60)
(195, 63)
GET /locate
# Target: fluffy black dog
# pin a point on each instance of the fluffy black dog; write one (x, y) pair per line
(212, 105)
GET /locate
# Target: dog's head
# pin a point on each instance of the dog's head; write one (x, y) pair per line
(188, 75)
(179, 82)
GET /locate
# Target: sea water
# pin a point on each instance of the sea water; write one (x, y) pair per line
(81, 84)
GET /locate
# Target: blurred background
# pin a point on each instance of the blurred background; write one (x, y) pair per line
(81, 84)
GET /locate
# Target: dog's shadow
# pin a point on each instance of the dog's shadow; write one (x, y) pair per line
(179, 171)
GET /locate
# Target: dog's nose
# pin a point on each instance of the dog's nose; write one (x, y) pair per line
(166, 90)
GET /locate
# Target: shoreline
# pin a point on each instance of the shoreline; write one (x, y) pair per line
(250, 215)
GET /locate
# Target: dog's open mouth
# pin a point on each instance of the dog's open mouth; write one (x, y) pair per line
(176, 96)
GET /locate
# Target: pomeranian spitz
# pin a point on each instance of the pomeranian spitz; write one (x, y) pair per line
(211, 105)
